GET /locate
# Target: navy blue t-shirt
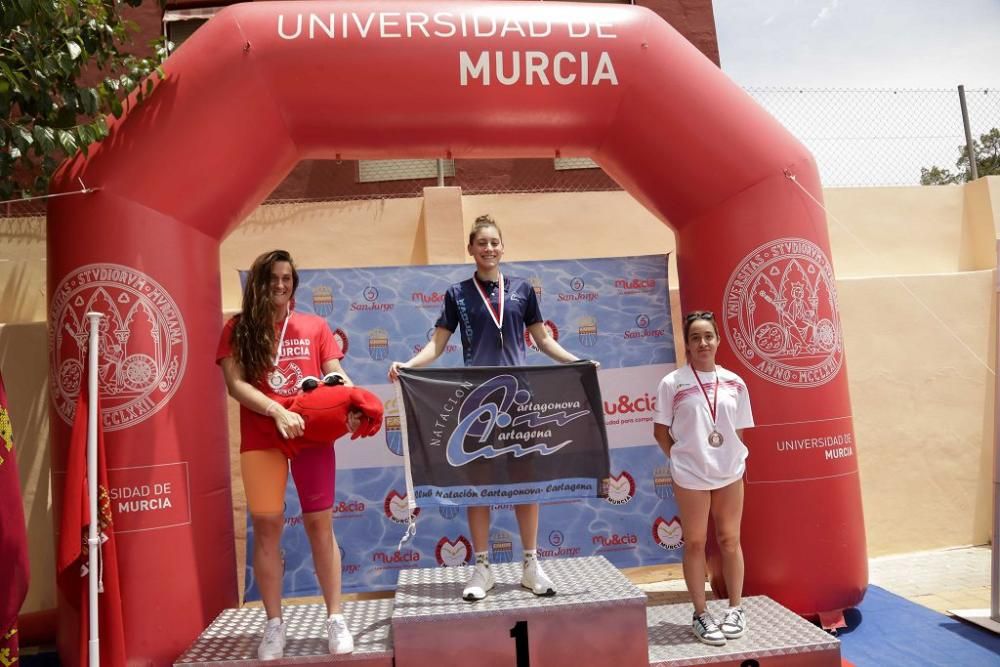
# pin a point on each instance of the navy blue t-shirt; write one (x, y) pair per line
(464, 310)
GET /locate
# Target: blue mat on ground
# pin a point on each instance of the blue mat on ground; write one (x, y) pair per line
(888, 630)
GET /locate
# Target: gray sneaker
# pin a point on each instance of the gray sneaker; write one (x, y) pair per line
(272, 646)
(734, 623)
(707, 630)
(479, 584)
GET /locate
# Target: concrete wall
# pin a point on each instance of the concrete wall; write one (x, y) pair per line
(915, 275)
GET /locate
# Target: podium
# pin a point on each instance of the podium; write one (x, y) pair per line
(598, 619)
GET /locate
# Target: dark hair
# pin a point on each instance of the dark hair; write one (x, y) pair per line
(483, 222)
(696, 315)
(253, 336)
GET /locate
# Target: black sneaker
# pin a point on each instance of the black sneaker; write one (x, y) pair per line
(707, 630)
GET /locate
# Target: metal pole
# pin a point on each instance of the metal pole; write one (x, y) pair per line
(995, 560)
(440, 165)
(93, 539)
(973, 168)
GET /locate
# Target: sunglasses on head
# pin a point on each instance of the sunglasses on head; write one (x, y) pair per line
(699, 315)
(310, 382)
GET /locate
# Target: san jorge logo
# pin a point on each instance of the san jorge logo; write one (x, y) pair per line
(371, 294)
(578, 292)
(450, 553)
(142, 343)
(781, 314)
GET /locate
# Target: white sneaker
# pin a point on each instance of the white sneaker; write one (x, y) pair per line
(341, 640)
(734, 623)
(272, 646)
(534, 580)
(479, 583)
(707, 630)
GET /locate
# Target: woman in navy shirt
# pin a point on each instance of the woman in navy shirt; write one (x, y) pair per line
(492, 312)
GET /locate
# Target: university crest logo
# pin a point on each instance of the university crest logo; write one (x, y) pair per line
(781, 314)
(142, 343)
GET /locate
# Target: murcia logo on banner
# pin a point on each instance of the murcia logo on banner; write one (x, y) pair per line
(397, 509)
(621, 489)
(340, 336)
(142, 343)
(490, 405)
(449, 553)
(668, 534)
(781, 314)
(550, 327)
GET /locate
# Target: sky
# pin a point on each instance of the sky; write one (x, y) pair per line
(860, 43)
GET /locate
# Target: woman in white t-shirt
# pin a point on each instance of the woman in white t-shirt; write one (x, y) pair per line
(701, 412)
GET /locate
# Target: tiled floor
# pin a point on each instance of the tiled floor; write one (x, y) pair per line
(941, 580)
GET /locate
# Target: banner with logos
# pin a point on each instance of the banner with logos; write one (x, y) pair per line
(477, 436)
(613, 310)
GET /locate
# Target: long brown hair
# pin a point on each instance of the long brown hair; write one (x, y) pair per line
(253, 336)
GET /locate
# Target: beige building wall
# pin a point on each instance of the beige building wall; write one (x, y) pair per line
(916, 281)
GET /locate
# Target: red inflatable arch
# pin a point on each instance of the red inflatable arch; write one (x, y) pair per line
(264, 85)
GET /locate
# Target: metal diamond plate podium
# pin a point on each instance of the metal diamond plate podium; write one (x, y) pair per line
(232, 638)
(775, 637)
(598, 619)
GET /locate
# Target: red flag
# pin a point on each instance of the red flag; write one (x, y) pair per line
(13, 539)
(72, 551)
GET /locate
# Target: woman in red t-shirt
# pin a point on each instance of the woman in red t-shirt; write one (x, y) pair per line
(265, 352)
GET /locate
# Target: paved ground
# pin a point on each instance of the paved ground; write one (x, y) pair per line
(941, 580)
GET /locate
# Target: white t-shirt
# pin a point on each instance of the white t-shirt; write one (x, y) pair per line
(682, 406)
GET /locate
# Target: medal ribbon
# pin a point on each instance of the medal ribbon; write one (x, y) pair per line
(281, 341)
(712, 404)
(497, 317)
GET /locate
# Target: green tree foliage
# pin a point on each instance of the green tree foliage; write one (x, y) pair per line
(987, 152)
(49, 50)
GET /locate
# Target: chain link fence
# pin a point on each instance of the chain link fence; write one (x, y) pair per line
(859, 137)
(872, 137)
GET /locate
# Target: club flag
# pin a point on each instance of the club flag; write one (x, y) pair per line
(489, 435)
(13, 539)
(73, 549)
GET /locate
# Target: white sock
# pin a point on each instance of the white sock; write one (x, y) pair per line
(530, 556)
(483, 558)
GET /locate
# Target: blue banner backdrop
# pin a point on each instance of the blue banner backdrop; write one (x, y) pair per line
(614, 310)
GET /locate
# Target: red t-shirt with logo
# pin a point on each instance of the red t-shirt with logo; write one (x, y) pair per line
(307, 345)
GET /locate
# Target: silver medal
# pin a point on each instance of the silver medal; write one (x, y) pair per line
(276, 379)
(715, 439)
